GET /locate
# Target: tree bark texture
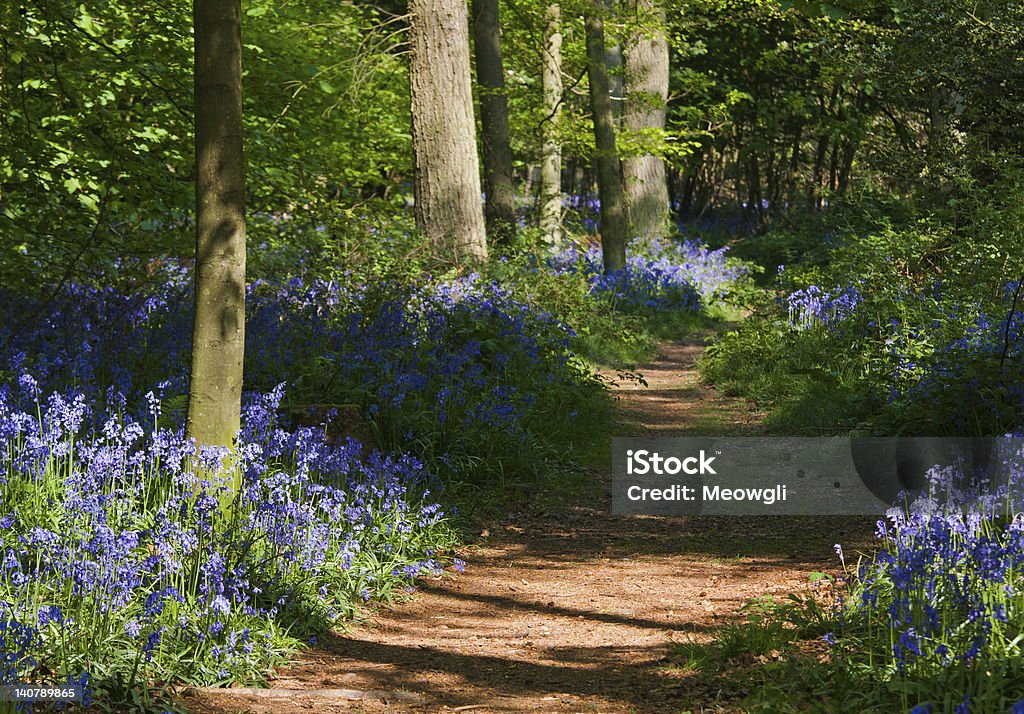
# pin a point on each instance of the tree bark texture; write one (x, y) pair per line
(446, 183)
(497, 150)
(613, 60)
(646, 89)
(609, 177)
(551, 165)
(218, 336)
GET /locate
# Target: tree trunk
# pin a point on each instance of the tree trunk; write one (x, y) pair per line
(218, 335)
(849, 150)
(754, 205)
(814, 188)
(613, 61)
(446, 182)
(646, 77)
(938, 119)
(527, 187)
(794, 165)
(833, 166)
(490, 75)
(551, 166)
(609, 178)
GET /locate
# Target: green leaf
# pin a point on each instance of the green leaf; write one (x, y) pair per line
(832, 12)
(89, 202)
(86, 22)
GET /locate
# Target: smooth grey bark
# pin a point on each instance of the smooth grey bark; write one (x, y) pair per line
(646, 88)
(499, 210)
(551, 164)
(446, 181)
(218, 335)
(614, 62)
(609, 178)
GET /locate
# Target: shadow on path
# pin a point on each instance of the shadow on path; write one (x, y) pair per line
(570, 609)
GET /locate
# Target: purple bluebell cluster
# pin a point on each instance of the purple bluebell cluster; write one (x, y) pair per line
(814, 305)
(119, 539)
(442, 365)
(945, 593)
(18, 645)
(660, 275)
(430, 363)
(583, 212)
(124, 538)
(92, 339)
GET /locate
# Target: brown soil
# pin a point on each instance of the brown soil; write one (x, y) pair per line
(565, 608)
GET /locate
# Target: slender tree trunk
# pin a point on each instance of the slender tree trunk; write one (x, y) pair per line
(794, 165)
(551, 166)
(574, 174)
(938, 119)
(614, 63)
(849, 150)
(851, 146)
(646, 82)
(754, 195)
(497, 150)
(672, 177)
(813, 190)
(772, 176)
(446, 183)
(528, 180)
(833, 166)
(609, 177)
(218, 334)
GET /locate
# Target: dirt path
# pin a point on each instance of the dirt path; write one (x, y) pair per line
(569, 609)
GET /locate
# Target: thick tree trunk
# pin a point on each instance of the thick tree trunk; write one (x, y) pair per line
(609, 178)
(218, 336)
(448, 207)
(551, 165)
(490, 75)
(646, 83)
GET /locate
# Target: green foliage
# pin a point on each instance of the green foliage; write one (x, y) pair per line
(755, 660)
(523, 46)
(91, 96)
(922, 351)
(774, 100)
(96, 146)
(327, 107)
(764, 631)
(375, 241)
(795, 104)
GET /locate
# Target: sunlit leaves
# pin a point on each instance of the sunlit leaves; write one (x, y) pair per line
(97, 99)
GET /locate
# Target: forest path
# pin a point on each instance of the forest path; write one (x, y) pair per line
(565, 608)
